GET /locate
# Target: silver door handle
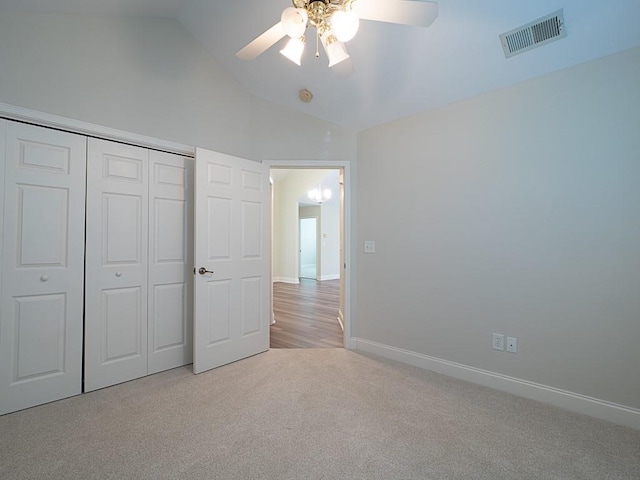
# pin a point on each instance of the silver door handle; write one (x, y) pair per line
(204, 271)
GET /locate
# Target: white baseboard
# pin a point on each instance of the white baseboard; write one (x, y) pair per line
(602, 409)
(295, 280)
(330, 277)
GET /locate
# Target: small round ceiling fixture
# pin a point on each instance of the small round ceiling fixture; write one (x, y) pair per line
(305, 95)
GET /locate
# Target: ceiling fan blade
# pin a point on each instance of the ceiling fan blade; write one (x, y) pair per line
(262, 43)
(405, 12)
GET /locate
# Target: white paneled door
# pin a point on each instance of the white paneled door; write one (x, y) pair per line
(139, 263)
(42, 265)
(232, 252)
(170, 306)
(116, 263)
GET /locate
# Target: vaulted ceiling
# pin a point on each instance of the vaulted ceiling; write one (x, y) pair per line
(398, 70)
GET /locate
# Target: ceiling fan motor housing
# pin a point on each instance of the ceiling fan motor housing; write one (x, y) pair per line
(320, 10)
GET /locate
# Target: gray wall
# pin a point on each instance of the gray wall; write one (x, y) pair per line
(516, 212)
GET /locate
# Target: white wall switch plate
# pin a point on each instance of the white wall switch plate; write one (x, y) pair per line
(369, 246)
(512, 344)
(497, 342)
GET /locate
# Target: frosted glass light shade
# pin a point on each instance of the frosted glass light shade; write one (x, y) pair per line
(319, 195)
(294, 21)
(336, 53)
(293, 50)
(345, 24)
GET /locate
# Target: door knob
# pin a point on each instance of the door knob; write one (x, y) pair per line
(44, 278)
(203, 271)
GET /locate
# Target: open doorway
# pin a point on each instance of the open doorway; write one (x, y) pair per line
(308, 260)
(308, 238)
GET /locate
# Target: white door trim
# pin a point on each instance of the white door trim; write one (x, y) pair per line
(349, 258)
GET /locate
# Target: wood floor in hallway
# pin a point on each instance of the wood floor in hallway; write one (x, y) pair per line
(306, 314)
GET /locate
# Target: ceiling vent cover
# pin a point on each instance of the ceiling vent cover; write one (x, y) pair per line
(534, 34)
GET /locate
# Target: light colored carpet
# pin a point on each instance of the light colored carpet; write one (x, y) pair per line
(310, 414)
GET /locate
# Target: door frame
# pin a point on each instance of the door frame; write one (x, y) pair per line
(347, 247)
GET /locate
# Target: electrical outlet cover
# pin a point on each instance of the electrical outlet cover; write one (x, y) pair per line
(512, 344)
(369, 246)
(498, 341)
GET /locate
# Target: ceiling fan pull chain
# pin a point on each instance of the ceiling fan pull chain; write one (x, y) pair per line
(317, 43)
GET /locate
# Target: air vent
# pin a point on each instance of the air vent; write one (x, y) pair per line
(534, 34)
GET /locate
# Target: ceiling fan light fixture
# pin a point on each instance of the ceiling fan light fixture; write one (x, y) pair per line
(336, 50)
(294, 21)
(336, 22)
(345, 24)
(293, 50)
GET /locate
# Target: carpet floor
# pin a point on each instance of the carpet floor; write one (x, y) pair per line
(310, 414)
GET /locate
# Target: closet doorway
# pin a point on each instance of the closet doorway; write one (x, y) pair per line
(309, 303)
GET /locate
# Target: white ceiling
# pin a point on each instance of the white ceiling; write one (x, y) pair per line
(399, 70)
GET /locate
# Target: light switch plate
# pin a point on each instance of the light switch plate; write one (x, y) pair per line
(369, 246)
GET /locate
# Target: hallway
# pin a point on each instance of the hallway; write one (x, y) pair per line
(306, 315)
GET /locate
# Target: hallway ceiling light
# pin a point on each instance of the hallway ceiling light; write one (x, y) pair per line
(319, 195)
(336, 22)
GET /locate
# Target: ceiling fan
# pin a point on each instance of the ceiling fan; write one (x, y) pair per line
(336, 22)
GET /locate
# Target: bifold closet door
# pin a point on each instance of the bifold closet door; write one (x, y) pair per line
(116, 263)
(170, 308)
(43, 189)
